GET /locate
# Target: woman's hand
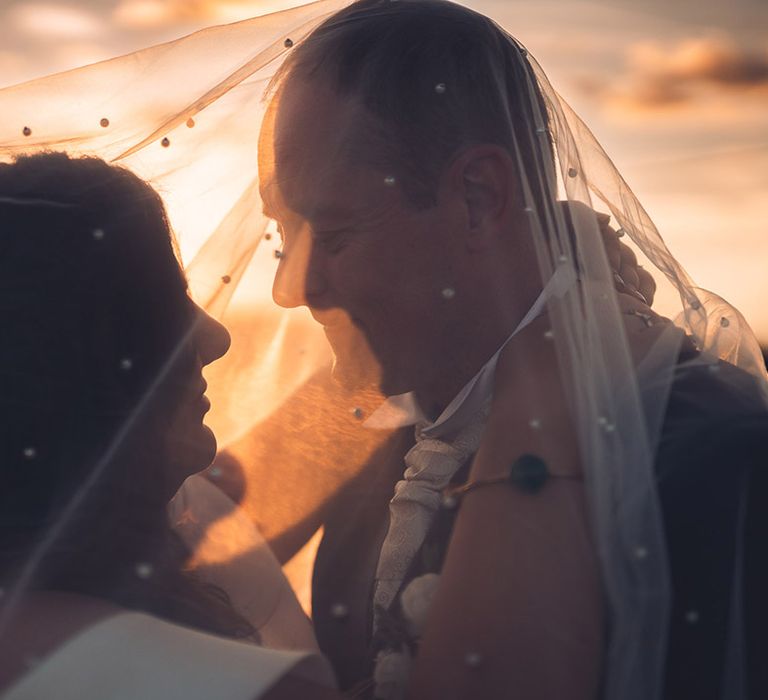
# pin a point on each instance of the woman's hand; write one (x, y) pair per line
(629, 277)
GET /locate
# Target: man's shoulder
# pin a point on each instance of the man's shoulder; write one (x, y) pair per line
(714, 407)
(713, 440)
(712, 475)
(713, 450)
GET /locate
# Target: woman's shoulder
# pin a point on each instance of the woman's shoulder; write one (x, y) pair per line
(124, 655)
(40, 623)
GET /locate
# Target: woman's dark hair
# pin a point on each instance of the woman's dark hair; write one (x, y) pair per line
(93, 363)
(437, 76)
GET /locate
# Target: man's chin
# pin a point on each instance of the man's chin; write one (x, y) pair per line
(355, 366)
(356, 376)
(353, 374)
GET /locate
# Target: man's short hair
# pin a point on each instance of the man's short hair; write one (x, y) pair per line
(437, 76)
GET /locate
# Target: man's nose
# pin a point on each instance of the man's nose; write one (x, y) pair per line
(212, 338)
(298, 278)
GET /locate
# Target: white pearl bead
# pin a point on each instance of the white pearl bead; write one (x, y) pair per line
(449, 502)
(339, 611)
(473, 659)
(144, 570)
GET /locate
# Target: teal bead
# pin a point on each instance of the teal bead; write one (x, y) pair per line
(529, 473)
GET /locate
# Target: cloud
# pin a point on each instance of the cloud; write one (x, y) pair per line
(658, 76)
(55, 21)
(152, 14)
(144, 14)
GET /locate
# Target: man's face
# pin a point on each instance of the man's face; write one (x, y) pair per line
(372, 269)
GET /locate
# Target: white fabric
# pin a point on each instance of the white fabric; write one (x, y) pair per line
(231, 553)
(132, 656)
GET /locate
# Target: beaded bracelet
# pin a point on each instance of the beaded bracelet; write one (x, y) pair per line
(528, 473)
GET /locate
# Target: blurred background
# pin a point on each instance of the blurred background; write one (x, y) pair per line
(677, 93)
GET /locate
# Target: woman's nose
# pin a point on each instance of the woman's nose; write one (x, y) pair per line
(213, 339)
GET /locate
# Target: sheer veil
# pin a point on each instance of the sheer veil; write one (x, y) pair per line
(187, 116)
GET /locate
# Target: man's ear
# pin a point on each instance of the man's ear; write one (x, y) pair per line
(483, 176)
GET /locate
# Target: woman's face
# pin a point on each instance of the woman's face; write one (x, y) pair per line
(191, 445)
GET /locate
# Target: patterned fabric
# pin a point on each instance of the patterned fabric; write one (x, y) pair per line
(430, 466)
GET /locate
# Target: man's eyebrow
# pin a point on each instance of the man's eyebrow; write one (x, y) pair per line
(318, 213)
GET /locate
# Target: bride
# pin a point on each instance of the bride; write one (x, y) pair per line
(103, 402)
(620, 559)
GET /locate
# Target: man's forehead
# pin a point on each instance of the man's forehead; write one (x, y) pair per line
(311, 140)
(313, 123)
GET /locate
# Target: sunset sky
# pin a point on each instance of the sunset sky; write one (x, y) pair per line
(677, 93)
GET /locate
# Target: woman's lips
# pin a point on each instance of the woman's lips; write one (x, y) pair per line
(204, 404)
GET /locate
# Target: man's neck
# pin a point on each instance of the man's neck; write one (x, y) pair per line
(476, 349)
(433, 397)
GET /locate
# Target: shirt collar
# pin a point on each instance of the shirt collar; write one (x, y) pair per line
(403, 409)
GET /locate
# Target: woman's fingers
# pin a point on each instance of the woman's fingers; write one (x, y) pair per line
(629, 277)
(646, 284)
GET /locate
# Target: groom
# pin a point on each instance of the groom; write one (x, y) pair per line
(395, 247)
